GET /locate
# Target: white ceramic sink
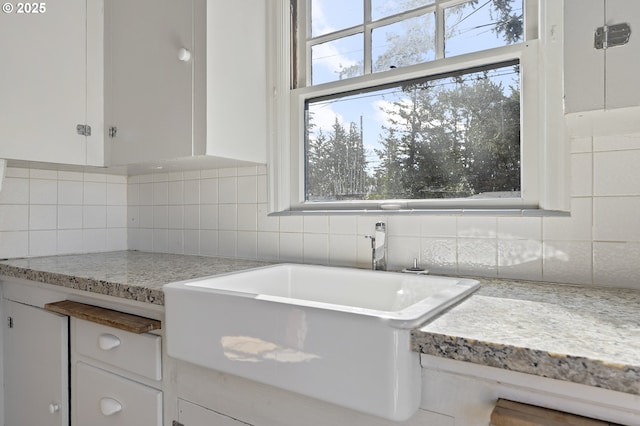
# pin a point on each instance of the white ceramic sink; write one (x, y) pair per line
(337, 334)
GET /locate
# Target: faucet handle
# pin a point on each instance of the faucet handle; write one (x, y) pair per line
(373, 240)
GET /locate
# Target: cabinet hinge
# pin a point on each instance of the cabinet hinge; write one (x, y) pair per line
(113, 131)
(611, 36)
(9, 322)
(176, 423)
(83, 129)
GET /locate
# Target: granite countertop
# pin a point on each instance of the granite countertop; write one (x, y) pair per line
(128, 274)
(581, 334)
(586, 335)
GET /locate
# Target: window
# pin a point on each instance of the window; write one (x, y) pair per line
(418, 105)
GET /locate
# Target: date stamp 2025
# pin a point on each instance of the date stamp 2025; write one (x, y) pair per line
(24, 8)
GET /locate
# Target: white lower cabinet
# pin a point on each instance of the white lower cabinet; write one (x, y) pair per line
(36, 359)
(106, 399)
(190, 414)
(116, 376)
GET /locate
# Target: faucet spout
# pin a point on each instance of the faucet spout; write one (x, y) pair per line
(379, 247)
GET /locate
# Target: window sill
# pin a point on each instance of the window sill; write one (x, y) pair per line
(447, 212)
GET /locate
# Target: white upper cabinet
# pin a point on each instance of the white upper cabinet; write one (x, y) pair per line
(51, 81)
(604, 78)
(186, 79)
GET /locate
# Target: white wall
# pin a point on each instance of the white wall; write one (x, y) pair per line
(223, 212)
(49, 212)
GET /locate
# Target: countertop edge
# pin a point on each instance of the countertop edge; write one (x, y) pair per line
(576, 369)
(137, 293)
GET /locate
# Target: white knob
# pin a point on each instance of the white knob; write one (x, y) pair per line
(109, 406)
(54, 408)
(184, 55)
(108, 341)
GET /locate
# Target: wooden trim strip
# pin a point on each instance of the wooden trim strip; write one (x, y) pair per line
(109, 317)
(510, 413)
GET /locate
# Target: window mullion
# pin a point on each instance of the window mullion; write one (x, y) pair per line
(367, 37)
(439, 31)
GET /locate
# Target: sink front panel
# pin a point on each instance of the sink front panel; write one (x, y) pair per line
(343, 358)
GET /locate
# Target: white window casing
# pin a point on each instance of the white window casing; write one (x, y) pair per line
(544, 148)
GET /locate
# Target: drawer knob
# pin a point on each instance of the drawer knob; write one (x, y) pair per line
(109, 406)
(107, 341)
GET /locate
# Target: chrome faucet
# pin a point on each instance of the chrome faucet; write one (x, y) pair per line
(379, 247)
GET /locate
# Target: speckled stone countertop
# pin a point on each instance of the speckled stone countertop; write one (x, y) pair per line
(585, 335)
(129, 274)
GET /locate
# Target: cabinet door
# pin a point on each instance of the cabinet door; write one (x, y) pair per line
(623, 62)
(583, 64)
(43, 82)
(150, 87)
(190, 414)
(35, 367)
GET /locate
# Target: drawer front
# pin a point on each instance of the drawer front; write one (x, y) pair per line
(106, 399)
(138, 353)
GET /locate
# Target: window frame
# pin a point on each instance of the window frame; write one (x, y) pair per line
(544, 148)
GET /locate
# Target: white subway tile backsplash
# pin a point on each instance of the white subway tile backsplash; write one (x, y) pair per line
(291, 224)
(43, 243)
(116, 239)
(160, 193)
(291, 247)
(247, 189)
(94, 177)
(43, 191)
(161, 217)
(438, 226)
(316, 248)
(175, 241)
(577, 227)
(14, 217)
(191, 238)
(227, 217)
(209, 217)
(617, 173)
(43, 174)
(227, 190)
(268, 246)
(616, 219)
(247, 215)
(95, 193)
(582, 175)
(160, 240)
(247, 247)
(116, 216)
(520, 259)
(145, 194)
(94, 217)
(208, 243)
(192, 217)
(343, 225)
(342, 250)
(439, 255)
(42, 217)
(176, 217)
(477, 227)
(176, 193)
(402, 251)
(117, 194)
(14, 244)
(520, 228)
(145, 217)
(227, 243)
(209, 191)
(14, 190)
(70, 217)
(616, 142)
(567, 261)
(70, 192)
(404, 226)
(616, 263)
(315, 224)
(17, 172)
(70, 241)
(478, 256)
(267, 223)
(191, 191)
